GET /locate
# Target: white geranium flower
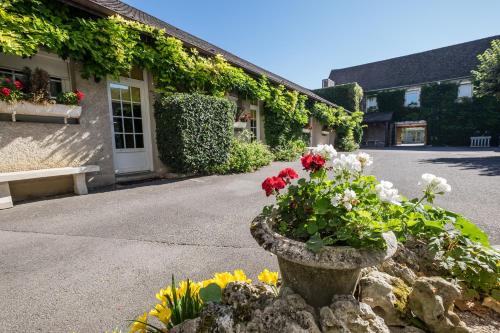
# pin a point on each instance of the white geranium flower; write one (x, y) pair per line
(365, 159)
(435, 184)
(348, 198)
(386, 193)
(349, 163)
(336, 200)
(326, 151)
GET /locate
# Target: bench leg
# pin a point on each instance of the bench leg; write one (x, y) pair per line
(80, 186)
(5, 197)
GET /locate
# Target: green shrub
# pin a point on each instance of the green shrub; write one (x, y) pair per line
(246, 155)
(194, 132)
(290, 151)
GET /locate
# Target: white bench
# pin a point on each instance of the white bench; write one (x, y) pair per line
(480, 141)
(80, 186)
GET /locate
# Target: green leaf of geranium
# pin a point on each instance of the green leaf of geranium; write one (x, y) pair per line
(312, 228)
(211, 293)
(322, 206)
(471, 230)
(315, 243)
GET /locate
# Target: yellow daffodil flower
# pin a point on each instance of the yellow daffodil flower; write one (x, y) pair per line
(222, 279)
(239, 275)
(267, 277)
(162, 312)
(139, 326)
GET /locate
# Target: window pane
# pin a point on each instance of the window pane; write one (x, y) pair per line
(119, 141)
(55, 87)
(412, 98)
(117, 123)
(117, 110)
(126, 94)
(139, 142)
(115, 93)
(129, 140)
(465, 90)
(137, 110)
(127, 109)
(127, 122)
(136, 94)
(138, 125)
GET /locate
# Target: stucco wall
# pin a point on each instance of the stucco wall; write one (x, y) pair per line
(317, 138)
(36, 145)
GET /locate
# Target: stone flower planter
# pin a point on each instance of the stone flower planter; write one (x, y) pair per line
(48, 109)
(317, 277)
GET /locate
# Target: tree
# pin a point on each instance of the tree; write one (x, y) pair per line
(487, 75)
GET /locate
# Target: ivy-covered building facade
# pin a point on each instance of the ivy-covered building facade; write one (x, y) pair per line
(423, 98)
(121, 59)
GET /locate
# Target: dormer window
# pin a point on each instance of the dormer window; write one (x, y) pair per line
(412, 98)
(371, 103)
(464, 90)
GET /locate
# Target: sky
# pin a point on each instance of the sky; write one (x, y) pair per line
(302, 40)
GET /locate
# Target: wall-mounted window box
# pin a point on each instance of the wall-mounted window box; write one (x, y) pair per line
(325, 132)
(240, 124)
(41, 110)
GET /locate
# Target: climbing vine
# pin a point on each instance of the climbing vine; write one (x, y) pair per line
(113, 45)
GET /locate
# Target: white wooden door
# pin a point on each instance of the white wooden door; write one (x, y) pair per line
(131, 138)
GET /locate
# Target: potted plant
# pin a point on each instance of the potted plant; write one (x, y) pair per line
(241, 121)
(326, 228)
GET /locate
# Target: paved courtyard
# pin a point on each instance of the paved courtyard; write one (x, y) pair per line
(88, 264)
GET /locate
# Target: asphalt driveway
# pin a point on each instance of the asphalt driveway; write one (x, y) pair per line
(89, 263)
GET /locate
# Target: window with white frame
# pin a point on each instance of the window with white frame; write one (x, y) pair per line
(465, 90)
(412, 98)
(254, 120)
(371, 103)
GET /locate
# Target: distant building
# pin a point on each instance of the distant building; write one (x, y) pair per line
(447, 64)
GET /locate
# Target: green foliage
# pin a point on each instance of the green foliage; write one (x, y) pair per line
(487, 74)
(184, 306)
(211, 293)
(194, 132)
(68, 98)
(391, 101)
(448, 122)
(289, 151)
(246, 155)
(347, 95)
(438, 95)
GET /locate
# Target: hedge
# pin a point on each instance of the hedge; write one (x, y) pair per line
(194, 132)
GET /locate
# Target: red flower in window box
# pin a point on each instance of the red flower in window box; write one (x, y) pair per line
(79, 95)
(312, 162)
(5, 91)
(19, 85)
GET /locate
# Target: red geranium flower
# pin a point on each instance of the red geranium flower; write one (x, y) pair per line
(79, 95)
(288, 174)
(7, 80)
(272, 184)
(312, 162)
(19, 85)
(5, 91)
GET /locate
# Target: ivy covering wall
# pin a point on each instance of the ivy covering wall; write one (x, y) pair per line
(348, 125)
(449, 121)
(113, 45)
(347, 95)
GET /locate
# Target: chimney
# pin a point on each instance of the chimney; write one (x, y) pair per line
(326, 83)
